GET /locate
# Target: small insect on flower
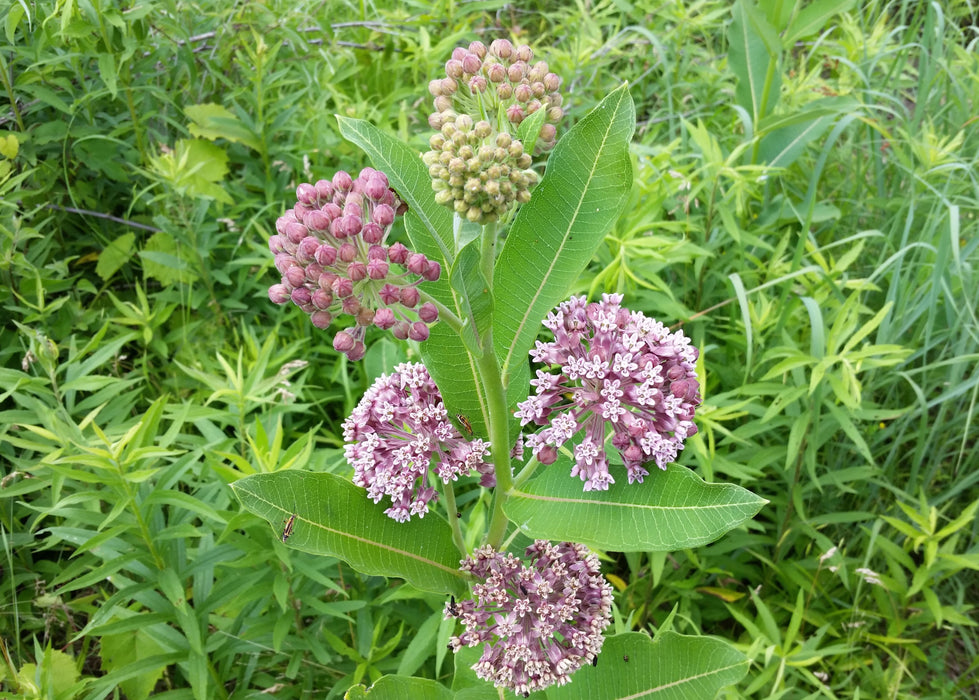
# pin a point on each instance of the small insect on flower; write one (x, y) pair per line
(287, 530)
(466, 423)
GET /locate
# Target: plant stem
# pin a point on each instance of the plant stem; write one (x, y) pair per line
(489, 370)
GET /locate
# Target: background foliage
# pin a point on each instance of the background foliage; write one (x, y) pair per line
(806, 206)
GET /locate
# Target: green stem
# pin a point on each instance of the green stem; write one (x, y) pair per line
(499, 419)
(525, 473)
(450, 506)
(487, 255)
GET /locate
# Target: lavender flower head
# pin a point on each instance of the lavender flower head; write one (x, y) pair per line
(396, 432)
(618, 368)
(331, 251)
(539, 622)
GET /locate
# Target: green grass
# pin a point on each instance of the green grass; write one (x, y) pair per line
(142, 368)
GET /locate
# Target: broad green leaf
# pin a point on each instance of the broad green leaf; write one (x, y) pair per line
(213, 121)
(400, 688)
(107, 71)
(673, 666)
(753, 54)
(472, 291)
(814, 18)
(410, 179)
(332, 516)
(670, 510)
(120, 652)
(780, 148)
(589, 176)
(115, 255)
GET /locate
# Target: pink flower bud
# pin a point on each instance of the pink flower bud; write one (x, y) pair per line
(279, 294)
(351, 225)
(326, 255)
(552, 81)
(325, 280)
(313, 271)
(523, 93)
(296, 275)
(458, 53)
(428, 313)
(478, 84)
(515, 114)
(357, 353)
(332, 210)
(400, 330)
(449, 86)
(321, 319)
(372, 233)
(435, 87)
(295, 232)
(548, 133)
(383, 215)
(471, 64)
(283, 261)
(398, 253)
(342, 287)
(504, 91)
(307, 249)
(389, 294)
(377, 269)
(376, 186)
(418, 331)
(417, 263)
(384, 319)
(501, 48)
(306, 193)
(276, 243)
(300, 210)
(343, 342)
(524, 53)
(347, 253)
(342, 181)
(409, 296)
(453, 67)
(547, 454)
(316, 220)
(357, 271)
(496, 72)
(283, 221)
(321, 299)
(432, 271)
(478, 48)
(351, 305)
(377, 252)
(301, 296)
(324, 189)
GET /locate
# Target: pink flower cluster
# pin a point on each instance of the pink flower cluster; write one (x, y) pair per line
(611, 367)
(331, 251)
(539, 622)
(396, 433)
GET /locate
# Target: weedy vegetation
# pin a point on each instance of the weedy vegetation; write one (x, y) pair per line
(805, 206)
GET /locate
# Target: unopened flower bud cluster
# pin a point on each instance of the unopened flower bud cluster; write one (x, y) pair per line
(538, 622)
(331, 250)
(477, 165)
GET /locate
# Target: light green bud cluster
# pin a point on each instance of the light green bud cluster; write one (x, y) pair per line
(478, 172)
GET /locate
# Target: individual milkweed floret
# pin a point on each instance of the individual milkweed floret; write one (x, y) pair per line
(538, 622)
(611, 367)
(332, 252)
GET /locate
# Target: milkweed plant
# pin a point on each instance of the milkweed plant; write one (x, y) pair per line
(560, 419)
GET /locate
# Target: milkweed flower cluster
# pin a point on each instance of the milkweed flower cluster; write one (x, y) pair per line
(397, 432)
(611, 367)
(539, 622)
(477, 165)
(331, 250)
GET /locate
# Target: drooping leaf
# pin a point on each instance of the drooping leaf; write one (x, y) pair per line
(212, 121)
(400, 688)
(815, 18)
(673, 666)
(670, 510)
(115, 255)
(753, 54)
(328, 514)
(554, 235)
